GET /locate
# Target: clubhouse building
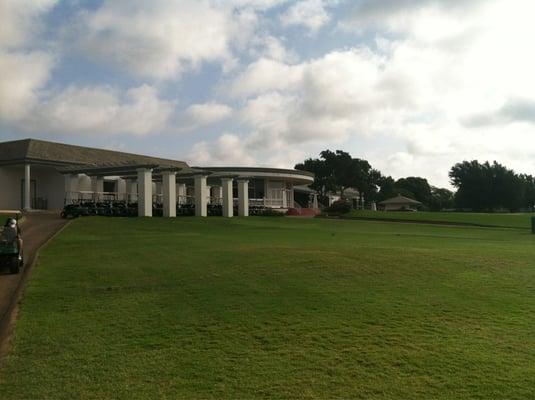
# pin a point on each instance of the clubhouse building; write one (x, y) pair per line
(41, 175)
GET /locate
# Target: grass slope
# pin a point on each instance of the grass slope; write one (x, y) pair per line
(276, 308)
(518, 220)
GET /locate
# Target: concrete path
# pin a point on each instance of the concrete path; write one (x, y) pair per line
(37, 229)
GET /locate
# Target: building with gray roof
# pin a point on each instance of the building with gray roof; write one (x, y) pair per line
(37, 174)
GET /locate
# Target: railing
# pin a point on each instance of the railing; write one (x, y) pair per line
(185, 200)
(256, 202)
(274, 203)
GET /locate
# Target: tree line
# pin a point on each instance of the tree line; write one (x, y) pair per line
(479, 186)
(491, 187)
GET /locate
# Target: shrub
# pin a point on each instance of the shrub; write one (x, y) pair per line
(265, 212)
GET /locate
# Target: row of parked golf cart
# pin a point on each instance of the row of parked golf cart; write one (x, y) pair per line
(123, 209)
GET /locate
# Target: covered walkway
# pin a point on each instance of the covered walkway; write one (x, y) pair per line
(153, 188)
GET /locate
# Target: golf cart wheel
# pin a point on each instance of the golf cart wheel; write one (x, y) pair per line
(14, 266)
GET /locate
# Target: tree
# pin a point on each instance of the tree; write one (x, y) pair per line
(371, 184)
(474, 185)
(387, 188)
(441, 199)
(341, 168)
(488, 187)
(323, 180)
(528, 182)
(418, 187)
(336, 171)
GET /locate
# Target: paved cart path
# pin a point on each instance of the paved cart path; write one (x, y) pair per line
(37, 229)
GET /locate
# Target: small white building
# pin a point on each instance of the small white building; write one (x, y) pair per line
(36, 174)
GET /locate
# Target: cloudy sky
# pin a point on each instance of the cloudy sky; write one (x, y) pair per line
(413, 86)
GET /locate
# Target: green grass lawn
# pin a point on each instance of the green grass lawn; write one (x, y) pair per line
(518, 220)
(277, 308)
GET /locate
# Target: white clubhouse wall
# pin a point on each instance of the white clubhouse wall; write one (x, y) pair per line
(10, 178)
(49, 185)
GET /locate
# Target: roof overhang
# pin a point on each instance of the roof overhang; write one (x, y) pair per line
(38, 161)
(124, 170)
(291, 175)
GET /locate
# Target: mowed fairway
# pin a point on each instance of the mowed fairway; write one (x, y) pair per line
(277, 308)
(516, 220)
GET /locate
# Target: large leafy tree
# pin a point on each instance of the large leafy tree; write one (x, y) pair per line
(440, 199)
(336, 171)
(324, 181)
(387, 188)
(488, 187)
(528, 182)
(417, 188)
(341, 168)
(474, 185)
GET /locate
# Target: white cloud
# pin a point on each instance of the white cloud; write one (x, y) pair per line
(409, 15)
(200, 115)
(265, 75)
(19, 20)
(208, 113)
(23, 74)
(162, 39)
(158, 39)
(272, 48)
(24, 70)
(308, 13)
(324, 100)
(228, 149)
(101, 110)
(261, 5)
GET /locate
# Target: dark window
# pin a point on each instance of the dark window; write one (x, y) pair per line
(109, 186)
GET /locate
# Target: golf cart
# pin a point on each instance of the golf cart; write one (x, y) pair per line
(10, 254)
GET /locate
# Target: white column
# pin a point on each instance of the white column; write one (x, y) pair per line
(266, 187)
(129, 190)
(27, 190)
(181, 192)
(69, 188)
(315, 201)
(209, 193)
(243, 198)
(144, 192)
(284, 199)
(97, 186)
(228, 198)
(200, 196)
(169, 193)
